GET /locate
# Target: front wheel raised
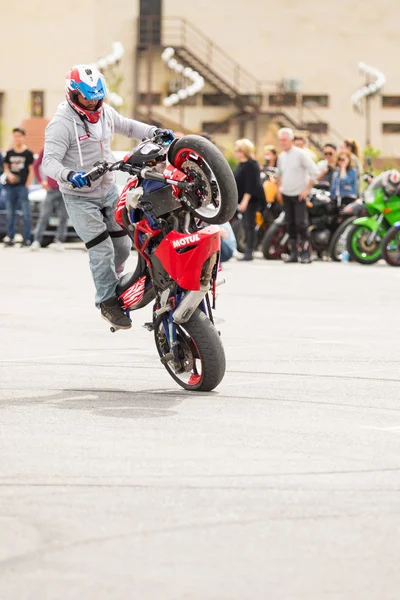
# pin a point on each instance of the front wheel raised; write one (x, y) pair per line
(202, 362)
(215, 199)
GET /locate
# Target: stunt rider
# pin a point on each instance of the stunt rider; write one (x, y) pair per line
(79, 135)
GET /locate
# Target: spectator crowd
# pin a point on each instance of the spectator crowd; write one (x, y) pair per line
(292, 170)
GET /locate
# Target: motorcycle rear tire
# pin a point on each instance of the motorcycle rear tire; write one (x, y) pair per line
(210, 350)
(222, 172)
(268, 239)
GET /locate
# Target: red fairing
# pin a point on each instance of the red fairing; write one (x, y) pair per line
(183, 255)
(170, 172)
(119, 209)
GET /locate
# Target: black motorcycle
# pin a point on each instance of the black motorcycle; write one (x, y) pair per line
(323, 214)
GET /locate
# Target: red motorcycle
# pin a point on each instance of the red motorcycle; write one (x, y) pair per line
(169, 224)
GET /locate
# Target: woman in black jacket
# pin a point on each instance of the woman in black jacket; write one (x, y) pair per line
(250, 191)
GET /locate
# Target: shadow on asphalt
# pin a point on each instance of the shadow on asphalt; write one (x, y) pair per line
(125, 404)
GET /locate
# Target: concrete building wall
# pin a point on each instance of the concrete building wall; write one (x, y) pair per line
(318, 43)
(42, 39)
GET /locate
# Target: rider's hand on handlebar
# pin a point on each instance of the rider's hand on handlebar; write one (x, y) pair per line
(166, 135)
(78, 179)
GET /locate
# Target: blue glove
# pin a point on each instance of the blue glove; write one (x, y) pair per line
(167, 135)
(78, 179)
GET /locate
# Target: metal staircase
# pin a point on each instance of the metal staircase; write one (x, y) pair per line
(187, 57)
(196, 50)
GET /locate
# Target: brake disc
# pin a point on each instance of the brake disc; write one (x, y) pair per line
(187, 361)
(363, 240)
(207, 195)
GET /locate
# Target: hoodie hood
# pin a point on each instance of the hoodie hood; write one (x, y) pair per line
(73, 144)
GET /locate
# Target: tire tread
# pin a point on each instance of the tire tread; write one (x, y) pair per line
(221, 169)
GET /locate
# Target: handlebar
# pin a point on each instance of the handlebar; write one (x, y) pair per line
(100, 167)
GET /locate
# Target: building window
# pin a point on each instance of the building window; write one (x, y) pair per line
(316, 127)
(388, 128)
(289, 99)
(189, 101)
(251, 99)
(150, 22)
(214, 126)
(37, 104)
(154, 98)
(390, 101)
(315, 100)
(216, 100)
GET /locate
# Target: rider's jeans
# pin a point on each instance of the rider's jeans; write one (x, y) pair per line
(91, 217)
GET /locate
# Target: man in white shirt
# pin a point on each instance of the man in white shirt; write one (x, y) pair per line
(296, 176)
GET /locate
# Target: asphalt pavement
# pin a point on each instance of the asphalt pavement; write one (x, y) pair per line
(284, 483)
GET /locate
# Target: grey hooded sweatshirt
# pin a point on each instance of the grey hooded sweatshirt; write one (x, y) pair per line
(68, 147)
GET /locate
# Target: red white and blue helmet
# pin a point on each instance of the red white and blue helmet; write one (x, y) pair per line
(88, 81)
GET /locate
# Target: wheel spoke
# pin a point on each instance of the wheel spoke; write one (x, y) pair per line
(208, 193)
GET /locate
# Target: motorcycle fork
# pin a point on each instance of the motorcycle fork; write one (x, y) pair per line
(205, 306)
(170, 334)
(371, 237)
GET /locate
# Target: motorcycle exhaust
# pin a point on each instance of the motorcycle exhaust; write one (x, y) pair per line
(188, 305)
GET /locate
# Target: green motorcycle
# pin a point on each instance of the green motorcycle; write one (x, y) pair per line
(364, 240)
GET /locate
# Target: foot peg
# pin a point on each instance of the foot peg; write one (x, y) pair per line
(149, 326)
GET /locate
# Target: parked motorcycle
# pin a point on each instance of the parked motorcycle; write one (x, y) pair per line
(391, 246)
(347, 216)
(178, 252)
(264, 218)
(364, 240)
(323, 214)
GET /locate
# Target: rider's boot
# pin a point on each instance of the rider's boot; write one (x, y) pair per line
(293, 256)
(112, 312)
